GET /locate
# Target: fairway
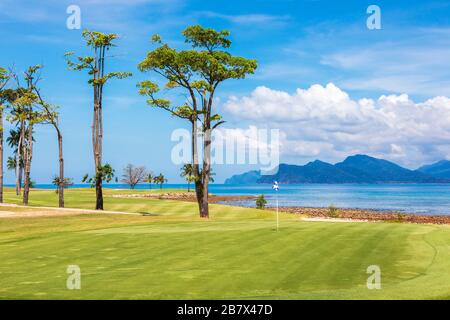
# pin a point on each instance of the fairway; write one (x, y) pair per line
(237, 254)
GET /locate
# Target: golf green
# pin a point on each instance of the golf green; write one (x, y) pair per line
(237, 254)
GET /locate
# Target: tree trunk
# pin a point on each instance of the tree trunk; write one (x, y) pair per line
(61, 170)
(1, 154)
(26, 186)
(28, 155)
(204, 208)
(19, 157)
(199, 195)
(96, 141)
(198, 179)
(98, 193)
(100, 152)
(18, 171)
(98, 182)
(20, 179)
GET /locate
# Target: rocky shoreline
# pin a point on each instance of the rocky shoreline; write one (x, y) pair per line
(183, 196)
(366, 215)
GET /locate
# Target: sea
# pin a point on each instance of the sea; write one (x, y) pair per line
(408, 198)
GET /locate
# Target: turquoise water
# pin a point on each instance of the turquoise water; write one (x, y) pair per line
(408, 198)
(411, 198)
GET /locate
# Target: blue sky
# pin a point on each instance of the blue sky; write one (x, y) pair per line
(298, 44)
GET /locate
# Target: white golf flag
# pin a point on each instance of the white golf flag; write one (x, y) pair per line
(275, 186)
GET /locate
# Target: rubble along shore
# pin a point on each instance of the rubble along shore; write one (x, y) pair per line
(366, 214)
(183, 196)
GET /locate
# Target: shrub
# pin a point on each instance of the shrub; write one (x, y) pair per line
(401, 217)
(261, 202)
(333, 212)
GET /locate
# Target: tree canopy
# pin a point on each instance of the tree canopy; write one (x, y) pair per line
(199, 71)
(100, 43)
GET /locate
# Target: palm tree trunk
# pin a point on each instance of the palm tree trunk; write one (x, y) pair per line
(61, 170)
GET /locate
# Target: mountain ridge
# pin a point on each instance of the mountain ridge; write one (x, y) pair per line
(354, 169)
(440, 169)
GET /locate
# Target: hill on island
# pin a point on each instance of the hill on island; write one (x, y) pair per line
(440, 169)
(354, 169)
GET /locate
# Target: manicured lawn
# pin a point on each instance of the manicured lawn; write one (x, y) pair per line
(172, 254)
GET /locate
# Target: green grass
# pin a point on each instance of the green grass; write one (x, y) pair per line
(236, 254)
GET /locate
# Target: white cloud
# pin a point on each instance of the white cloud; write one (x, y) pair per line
(418, 67)
(411, 60)
(326, 123)
(253, 18)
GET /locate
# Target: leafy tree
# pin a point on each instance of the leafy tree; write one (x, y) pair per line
(261, 202)
(187, 172)
(133, 175)
(51, 115)
(106, 173)
(99, 43)
(26, 113)
(197, 72)
(4, 78)
(160, 180)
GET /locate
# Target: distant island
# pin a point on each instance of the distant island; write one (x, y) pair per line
(354, 169)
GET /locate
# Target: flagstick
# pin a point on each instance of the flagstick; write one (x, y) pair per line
(275, 187)
(278, 219)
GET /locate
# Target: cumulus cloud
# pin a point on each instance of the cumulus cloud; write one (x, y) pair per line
(325, 122)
